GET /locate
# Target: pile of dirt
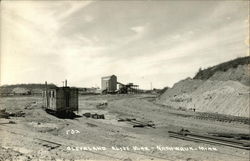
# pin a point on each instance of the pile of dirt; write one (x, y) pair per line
(223, 97)
(213, 90)
(182, 87)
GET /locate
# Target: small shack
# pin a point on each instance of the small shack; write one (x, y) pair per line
(60, 99)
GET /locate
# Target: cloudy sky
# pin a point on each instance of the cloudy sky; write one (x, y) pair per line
(139, 41)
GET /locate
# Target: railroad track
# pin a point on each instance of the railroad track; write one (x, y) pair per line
(205, 138)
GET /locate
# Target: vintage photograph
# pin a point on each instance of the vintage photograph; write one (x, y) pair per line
(124, 80)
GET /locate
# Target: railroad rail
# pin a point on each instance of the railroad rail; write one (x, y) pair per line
(205, 138)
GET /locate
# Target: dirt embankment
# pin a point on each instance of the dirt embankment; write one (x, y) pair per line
(224, 93)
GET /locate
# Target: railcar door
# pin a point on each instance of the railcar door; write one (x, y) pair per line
(67, 97)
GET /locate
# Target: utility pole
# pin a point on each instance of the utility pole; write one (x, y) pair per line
(46, 94)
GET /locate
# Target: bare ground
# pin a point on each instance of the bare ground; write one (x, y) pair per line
(41, 136)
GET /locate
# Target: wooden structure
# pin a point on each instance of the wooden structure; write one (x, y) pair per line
(61, 99)
(127, 88)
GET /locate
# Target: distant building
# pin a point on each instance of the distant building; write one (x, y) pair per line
(87, 91)
(21, 91)
(109, 84)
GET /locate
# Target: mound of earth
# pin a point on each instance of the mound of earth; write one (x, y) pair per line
(222, 89)
(182, 87)
(223, 97)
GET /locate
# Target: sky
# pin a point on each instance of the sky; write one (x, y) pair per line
(159, 42)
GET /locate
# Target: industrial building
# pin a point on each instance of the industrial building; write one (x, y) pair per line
(109, 84)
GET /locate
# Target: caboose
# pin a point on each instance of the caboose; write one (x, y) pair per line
(60, 100)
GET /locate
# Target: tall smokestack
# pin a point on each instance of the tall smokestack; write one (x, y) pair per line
(66, 83)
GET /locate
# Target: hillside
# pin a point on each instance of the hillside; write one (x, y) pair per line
(236, 70)
(222, 89)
